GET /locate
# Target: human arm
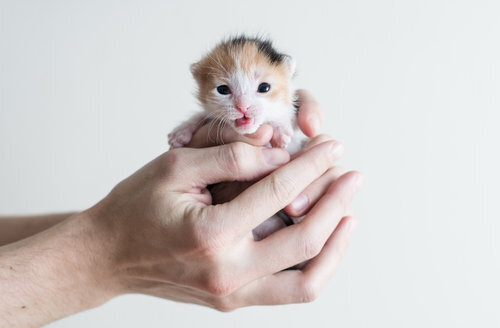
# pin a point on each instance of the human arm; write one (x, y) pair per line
(156, 233)
(14, 228)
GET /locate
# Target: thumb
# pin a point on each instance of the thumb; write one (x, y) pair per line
(208, 136)
(237, 161)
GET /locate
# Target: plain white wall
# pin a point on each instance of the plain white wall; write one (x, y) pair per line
(89, 90)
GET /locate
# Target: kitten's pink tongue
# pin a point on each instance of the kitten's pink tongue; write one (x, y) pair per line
(243, 121)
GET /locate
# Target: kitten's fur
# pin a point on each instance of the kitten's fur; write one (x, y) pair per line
(243, 64)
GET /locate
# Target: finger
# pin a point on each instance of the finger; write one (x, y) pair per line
(313, 142)
(190, 168)
(305, 240)
(310, 114)
(299, 286)
(307, 198)
(323, 266)
(274, 192)
(210, 135)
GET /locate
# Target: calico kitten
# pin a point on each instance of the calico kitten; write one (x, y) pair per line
(244, 82)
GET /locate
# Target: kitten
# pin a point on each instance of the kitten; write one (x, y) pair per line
(244, 82)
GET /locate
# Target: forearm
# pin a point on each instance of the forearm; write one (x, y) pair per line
(53, 274)
(15, 228)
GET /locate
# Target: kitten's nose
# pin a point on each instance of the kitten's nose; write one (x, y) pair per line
(242, 103)
(242, 109)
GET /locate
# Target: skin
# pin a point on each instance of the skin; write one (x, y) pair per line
(157, 233)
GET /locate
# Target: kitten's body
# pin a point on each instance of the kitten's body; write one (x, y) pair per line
(244, 82)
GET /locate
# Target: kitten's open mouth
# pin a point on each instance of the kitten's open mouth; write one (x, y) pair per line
(244, 121)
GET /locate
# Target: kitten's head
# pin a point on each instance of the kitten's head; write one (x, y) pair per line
(245, 82)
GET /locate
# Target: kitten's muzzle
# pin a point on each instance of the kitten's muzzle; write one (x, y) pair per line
(242, 109)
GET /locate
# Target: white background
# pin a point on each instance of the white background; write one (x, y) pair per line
(89, 90)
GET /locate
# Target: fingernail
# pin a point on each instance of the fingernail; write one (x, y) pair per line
(360, 180)
(351, 227)
(299, 204)
(274, 156)
(336, 150)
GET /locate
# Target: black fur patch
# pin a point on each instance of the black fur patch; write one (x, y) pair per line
(263, 45)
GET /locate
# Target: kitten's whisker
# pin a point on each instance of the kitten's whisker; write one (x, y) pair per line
(210, 128)
(220, 134)
(216, 118)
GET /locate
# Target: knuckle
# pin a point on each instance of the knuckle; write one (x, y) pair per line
(172, 160)
(321, 163)
(223, 304)
(220, 285)
(281, 187)
(309, 290)
(311, 249)
(310, 246)
(234, 157)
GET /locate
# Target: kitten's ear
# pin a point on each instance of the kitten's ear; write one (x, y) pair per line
(195, 67)
(290, 64)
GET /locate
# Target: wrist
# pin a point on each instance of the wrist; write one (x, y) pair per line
(90, 252)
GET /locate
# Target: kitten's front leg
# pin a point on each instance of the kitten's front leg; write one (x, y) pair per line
(282, 135)
(182, 134)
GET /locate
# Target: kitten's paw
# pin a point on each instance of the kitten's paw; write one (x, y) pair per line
(281, 137)
(180, 137)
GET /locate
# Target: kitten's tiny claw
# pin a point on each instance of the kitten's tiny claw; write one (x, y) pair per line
(180, 137)
(281, 137)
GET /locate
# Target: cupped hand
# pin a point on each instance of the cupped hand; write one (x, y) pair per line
(167, 240)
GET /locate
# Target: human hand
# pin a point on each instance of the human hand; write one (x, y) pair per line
(156, 233)
(164, 237)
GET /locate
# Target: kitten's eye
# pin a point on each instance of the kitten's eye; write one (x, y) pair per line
(264, 87)
(223, 90)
